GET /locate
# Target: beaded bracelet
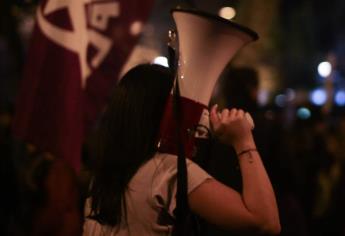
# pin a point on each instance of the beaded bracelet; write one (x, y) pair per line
(247, 150)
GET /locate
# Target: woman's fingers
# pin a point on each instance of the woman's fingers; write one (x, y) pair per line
(224, 115)
(230, 126)
(250, 120)
(214, 116)
(214, 113)
(240, 113)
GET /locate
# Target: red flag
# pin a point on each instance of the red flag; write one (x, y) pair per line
(77, 50)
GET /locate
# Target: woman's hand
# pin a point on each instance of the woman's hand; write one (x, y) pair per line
(254, 210)
(232, 128)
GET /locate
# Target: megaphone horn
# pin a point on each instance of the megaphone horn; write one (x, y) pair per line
(206, 44)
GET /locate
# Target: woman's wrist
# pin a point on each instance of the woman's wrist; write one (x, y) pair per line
(244, 145)
(245, 151)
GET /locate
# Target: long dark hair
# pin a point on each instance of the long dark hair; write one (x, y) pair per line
(127, 137)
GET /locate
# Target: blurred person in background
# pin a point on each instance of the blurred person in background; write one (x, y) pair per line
(39, 193)
(329, 201)
(239, 87)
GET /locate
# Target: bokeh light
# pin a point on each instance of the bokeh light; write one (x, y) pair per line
(340, 98)
(290, 94)
(303, 113)
(227, 13)
(324, 69)
(280, 100)
(318, 97)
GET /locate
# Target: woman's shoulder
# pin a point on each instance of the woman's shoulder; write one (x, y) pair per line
(160, 172)
(166, 165)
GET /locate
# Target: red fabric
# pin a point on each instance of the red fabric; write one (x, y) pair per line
(53, 111)
(190, 116)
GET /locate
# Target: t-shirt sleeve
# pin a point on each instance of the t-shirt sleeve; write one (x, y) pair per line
(196, 175)
(164, 189)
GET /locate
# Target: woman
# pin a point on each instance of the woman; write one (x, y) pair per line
(133, 189)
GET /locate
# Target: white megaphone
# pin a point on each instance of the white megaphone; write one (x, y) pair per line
(206, 45)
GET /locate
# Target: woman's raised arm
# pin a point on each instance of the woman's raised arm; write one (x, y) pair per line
(253, 210)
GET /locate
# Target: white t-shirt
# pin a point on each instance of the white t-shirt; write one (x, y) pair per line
(152, 189)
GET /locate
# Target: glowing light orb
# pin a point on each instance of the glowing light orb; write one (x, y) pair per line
(318, 97)
(340, 98)
(303, 113)
(227, 13)
(280, 100)
(324, 69)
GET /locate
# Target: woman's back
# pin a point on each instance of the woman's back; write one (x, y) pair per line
(150, 199)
